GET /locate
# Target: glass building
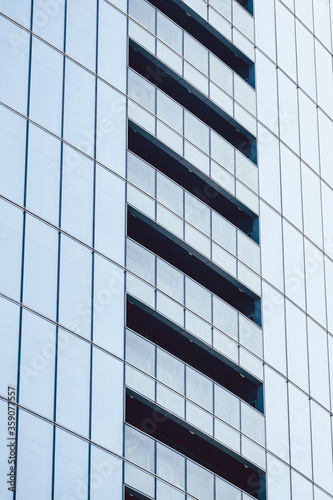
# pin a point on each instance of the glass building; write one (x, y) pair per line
(166, 250)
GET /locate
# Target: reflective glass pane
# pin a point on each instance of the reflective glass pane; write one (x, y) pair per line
(141, 91)
(140, 353)
(198, 299)
(195, 53)
(142, 12)
(170, 194)
(81, 31)
(199, 389)
(139, 448)
(169, 111)
(170, 466)
(141, 174)
(196, 132)
(197, 213)
(169, 33)
(200, 482)
(227, 406)
(170, 371)
(170, 281)
(225, 317)
(140, 261)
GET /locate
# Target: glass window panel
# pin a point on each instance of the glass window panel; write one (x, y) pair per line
(198, 299)
(19, 11)
(139, 448)
(34, 458)
(196, 157)
(141, 91)
(312, 206)
(140, 261)
(40, 267)
(169, 220)
(108, 305)
(199, 418)
(196, 78)
(73, 384)
(243, 20)
(327, 207)
(170, 371)
(304, 11)
(37, 364)
(143, 384)
(43, 175)
(195, 53)
(225, 345)
(222, 152)
(278, 485)
(12, 145)
(305, 59)
(75, 287)
(141, 174)
(107, 399)
(286, 40)
(227, 490)
(315, 282)
(11, 222)
(291, 187)
(324, 78)
(165, 492)
(14, 56)
(106, 480)
(111, 128)
(46, 86)
(77, 197)
(226, 435)
(71, 466)
(198, 327)
(225, 317)
(197, 213)
(266, 84)
(81, 32)
(245, 94)
(170, 194)
(226, 406)
(200, 482)
(322, 22)
(253, 423)
(196, 132)
(300, 435)
(318, 364)
(271, 246)
(169, 137)
(170, 308)
(248, 252)
(170, 33)
(79, 112)
(110, 215)
(140, 353)
(167, 55)
(170, 281)
(224, 233)
(142, 36)
(297, 346)
(48, 21)
(140, 289)
(140, 480)
(322, 446)
(197, 240)
(199, 389)
(169, 111)
(288, 108)
(170, 400)
(170, 466)
(221, 74)
(9, 333)
(144, 13)
(223, 6)
(250, 335)
(301, 487)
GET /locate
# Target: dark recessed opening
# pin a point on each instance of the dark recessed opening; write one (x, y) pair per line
(151, 237)
(170, 337)
(177, 435)
(189, 98)
(212, 39)
(152, 151)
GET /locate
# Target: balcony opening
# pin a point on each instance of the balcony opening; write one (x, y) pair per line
(182, 437)
(192, 351)
(195, 182)
(208, 36)
(193, 264)
(195, 102)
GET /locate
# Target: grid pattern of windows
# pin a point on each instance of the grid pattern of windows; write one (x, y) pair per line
(166, 255)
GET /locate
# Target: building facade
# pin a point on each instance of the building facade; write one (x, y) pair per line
(166, 250)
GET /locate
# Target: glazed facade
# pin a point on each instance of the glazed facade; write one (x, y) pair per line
(166, 250)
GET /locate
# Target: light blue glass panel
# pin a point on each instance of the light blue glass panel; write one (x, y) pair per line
(143, 12)
(110, 215)
(226, 435)
(170, 400)
(107, 401)
(286, 51)
(226, 490)
(271, 246)
(71, 467)
(141, 174)
(301, 487)
(40, 267)
(199, 389)
(312, 206)
(197, 214)
(4, 466)
(169, 111)
(198, 327)
(140, 353)
(81, 32)
(141, 383)
(291, 187)
(224, 233)
(112, 32)
(199, 418)
(46, 86)
(141, 91)
(315, 283)
(79, 112)
(139, 448)
(11, 220)
(226, 406)
(170, 194)
(266, 84)
(170, 371)
(169, 33)
(170, 466)
(221, 74)
(250, 335)
(19, 11)
(43, 175)
(305, 58)
(14, 56)
(278, 480)
(37, 364)
(297, 346)
(324, 78)
(288, 107)
(73, 384)
(300, 435)
(111, 128)
(165, 492)
(9, 330)
(252, 423)
(200, 482)
(34, 458)
(108, 306)
(12, 146)
(222, 6)
(222, 152)
(77, 197)
(322, 447)
(170, 281)
(225, 317)
(75, 287)
(196, 54)
(139, 480)
(322, 22)
(327, 207)
(318, 364)
(106, 476)
(196, 132)
(198, 299)
(48, 21)
(140, 261)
